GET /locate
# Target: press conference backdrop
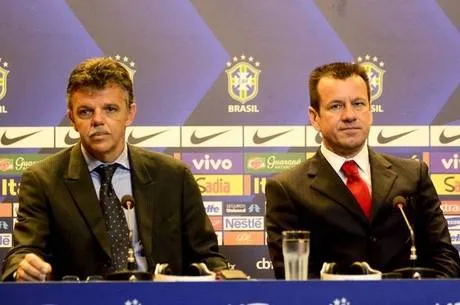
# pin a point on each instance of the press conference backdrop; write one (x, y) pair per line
(222, 85)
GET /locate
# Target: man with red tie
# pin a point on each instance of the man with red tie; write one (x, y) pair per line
(344, 194)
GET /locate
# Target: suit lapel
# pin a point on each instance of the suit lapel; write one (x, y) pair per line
(81, 187)
(383, 179)
(327, 181)
(143, 184)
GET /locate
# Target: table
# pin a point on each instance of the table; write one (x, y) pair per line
(429, 292)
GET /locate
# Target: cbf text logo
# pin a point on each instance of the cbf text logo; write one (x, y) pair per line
(3, 82)
(128, 64)
(374, 69)
(243, 82)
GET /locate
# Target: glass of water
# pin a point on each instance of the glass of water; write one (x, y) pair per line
(296, 248)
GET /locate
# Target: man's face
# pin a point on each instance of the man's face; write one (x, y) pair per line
(101, 117)
(344, 117)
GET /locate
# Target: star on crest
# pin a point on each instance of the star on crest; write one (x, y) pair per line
(129, 64)
(368, 58)
(4, 64)
(243, 57)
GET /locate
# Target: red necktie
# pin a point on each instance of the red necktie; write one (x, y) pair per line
(357, 186)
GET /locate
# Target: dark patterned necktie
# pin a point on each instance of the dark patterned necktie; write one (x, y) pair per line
(115, 221)
(357, 186)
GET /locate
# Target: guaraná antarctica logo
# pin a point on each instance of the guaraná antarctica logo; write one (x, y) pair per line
(127, 63)
(3, 82)
(243, 82)
(375, 72)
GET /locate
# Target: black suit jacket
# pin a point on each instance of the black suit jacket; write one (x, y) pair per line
(313, 197)
(60, 218)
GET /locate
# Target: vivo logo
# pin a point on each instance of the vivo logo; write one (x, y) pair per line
(452, 163)
(209, 163)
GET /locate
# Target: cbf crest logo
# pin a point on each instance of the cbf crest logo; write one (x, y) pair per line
(3, 82)
(243, 82)
(3, 77)
(375, 72)
(128, 64)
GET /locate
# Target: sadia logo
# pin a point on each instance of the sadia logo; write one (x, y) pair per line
(3, 83)
(446, 184)
(264, 264)
(221, 185)
(243, 82)
(375, 72)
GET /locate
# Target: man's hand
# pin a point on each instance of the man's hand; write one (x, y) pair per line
(32, 268)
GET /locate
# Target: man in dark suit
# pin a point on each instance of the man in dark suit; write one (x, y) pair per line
(63, 226)
(351, 216)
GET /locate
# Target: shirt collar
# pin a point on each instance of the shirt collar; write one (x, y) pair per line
(93, 162)
(336, 161)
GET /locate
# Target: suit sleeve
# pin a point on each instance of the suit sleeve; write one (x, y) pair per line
(281, 215)
(32, 227)
(432, 234)
(199, 236)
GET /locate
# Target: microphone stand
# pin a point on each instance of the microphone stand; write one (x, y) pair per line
(412, 272)
(413, 249)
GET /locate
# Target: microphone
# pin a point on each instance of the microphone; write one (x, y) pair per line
(400, 203)
(127, 201)
(131, 273)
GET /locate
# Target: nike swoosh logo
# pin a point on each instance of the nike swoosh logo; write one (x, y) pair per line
(198, 140)
(68, 140)
(8, 141)
(260, 140)
(318, 138)
(134, 140)
(445, 139)
(383, 140)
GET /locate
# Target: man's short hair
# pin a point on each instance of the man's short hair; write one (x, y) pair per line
(337, 70)
(98, 73)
